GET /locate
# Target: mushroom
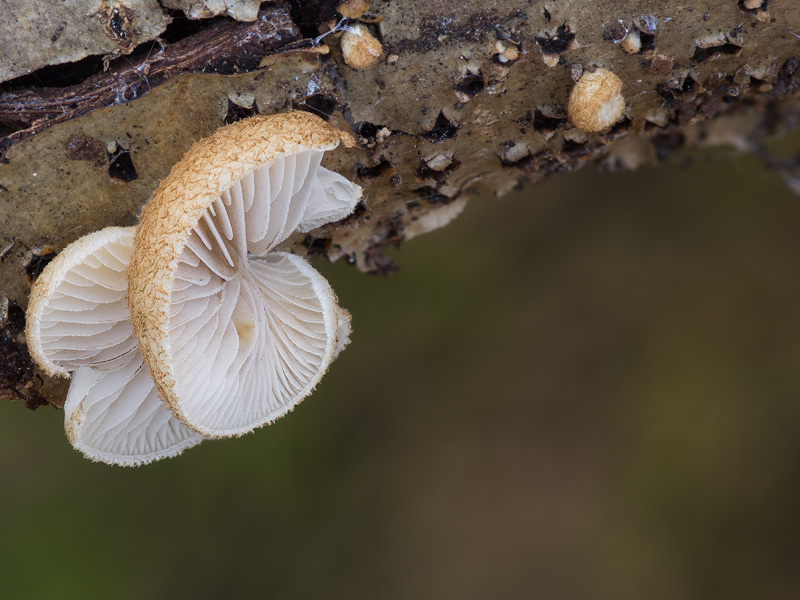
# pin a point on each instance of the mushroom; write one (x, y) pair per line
(360, 49)
(505, 52)
(234, 332)
(596, 101)
(632, 43)
(78, 321)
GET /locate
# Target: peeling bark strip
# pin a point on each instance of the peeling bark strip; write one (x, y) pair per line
(224, 48)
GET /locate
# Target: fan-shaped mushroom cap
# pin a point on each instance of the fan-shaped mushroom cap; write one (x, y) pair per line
(78, 321)
(77, 313)
(234, 333)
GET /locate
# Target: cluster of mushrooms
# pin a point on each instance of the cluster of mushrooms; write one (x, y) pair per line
(191, 325)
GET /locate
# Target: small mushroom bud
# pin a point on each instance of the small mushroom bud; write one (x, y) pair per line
(551, 60)
(596, 101)
(359, 47)
(505, 52)
(632, 42)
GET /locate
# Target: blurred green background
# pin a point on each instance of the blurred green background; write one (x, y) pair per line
(587, 390)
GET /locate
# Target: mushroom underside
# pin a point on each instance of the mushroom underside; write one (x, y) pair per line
(252, 330)
(232, 334)
(79, 323)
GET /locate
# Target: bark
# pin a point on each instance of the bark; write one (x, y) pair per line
(464, 100)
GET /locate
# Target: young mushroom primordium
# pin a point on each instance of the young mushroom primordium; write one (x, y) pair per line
(215, 332)
(596, 102)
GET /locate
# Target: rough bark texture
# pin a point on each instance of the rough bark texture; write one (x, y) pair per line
(464, 100)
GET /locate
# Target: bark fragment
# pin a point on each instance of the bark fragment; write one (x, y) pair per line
(37, 33)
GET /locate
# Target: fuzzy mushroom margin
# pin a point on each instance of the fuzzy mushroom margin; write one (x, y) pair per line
(185, 223)
(102, 310)
(78, 326)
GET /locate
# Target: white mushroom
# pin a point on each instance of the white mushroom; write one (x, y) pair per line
(78, 322)
(234, 333)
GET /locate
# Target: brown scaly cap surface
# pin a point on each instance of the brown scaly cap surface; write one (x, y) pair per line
(360, 49)
(210, 166)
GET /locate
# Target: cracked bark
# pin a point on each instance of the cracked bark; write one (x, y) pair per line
(463, 101)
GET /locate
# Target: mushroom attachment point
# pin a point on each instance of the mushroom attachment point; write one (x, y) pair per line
(78, 322)
(596, 102)
(234, 332)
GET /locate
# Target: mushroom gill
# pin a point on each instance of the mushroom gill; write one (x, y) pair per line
(78, 322)
(234, 333)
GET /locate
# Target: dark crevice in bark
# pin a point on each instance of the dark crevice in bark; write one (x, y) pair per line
(38, 261)
(120, 166)
(321, 105)
(557, 43)
(442, 129)
(57, 76)
(721, 51)
(237, 112)
(182, 26)
(310, 14)
(384, 168)
(222, 46)
(16, 369)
